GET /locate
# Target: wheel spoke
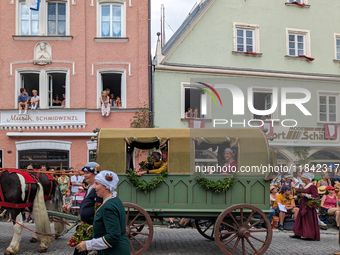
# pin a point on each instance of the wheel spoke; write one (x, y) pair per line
(249, 218)
(257, 239)
(235, 246)
(208, 227)
(141, 244)
(241, 210)
(139, 225)
(134, 219)
(243, 247)
(228, 225)
(226, 233)
(212, 232)
(139, 233)
(132, 249)
(127, 215)
(234, 220)
(252, 246)
(257, 222)
(258, 230)
(232, 238)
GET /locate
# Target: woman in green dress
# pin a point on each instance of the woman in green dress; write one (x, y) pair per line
(109, 224)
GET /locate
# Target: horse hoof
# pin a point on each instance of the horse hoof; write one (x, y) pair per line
(42, 250)
(8, 253)
(33, 240)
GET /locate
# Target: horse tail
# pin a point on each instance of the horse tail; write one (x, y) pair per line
(57, 201)
(42, 223)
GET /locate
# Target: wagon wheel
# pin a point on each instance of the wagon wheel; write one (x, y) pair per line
(139, 230)
(207, 228)
(242, 232)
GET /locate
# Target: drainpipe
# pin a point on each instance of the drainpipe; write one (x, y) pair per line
(150, 64)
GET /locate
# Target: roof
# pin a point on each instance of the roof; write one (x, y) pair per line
(192, 17)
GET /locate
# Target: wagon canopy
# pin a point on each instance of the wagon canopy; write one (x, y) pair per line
(250, 146)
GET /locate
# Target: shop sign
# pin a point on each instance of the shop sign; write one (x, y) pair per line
(43, 118)
(302, 134)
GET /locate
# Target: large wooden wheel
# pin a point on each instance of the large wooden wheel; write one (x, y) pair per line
(139, 228)
(240, 220)
(206, 228)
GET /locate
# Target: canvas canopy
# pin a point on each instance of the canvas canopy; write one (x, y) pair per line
(251, 145)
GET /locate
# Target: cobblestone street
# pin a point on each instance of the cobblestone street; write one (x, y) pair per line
(184, 241)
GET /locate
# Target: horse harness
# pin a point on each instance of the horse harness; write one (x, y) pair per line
(50, 178)
(29, 180)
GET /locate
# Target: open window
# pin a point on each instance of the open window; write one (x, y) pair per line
(262, 100)
(112, 82)
(56, 89)
(1, 158)
(195, 103)
(30, 82)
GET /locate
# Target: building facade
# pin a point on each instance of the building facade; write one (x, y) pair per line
(69, 51)
(267, 50)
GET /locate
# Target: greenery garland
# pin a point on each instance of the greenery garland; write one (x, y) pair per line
(146, 186)
(217, 187)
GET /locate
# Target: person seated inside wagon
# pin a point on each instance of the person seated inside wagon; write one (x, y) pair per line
(230, 164)
(158, 167)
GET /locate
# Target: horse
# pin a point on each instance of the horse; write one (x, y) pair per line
(53, 200)
(19, 190)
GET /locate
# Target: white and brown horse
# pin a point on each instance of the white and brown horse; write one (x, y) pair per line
(19, 190)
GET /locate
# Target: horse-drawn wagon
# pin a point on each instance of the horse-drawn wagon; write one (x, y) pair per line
(225, 207)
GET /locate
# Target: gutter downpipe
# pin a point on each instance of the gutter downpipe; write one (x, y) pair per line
(150, 66)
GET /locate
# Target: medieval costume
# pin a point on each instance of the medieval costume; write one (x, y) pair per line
(306, 223)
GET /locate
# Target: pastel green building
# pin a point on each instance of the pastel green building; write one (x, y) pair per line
(263, 48)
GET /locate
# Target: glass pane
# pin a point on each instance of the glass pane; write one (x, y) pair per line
(301, 52)
(35, 15)
(105, 28)
(239, 47)
(106, 13)
(239, 40)
(332, 100)
(51, 11)
(338, 56)
(292, 45)
(24, 27)
(51, 27)
(322, 108)
(338, 42)
(338, 49)
(323, 100)
(332, 109)
(292, 52)
(249, 48)
(300, 46)
(249, 41)
(249, 33)
(332, 117)
(61, 12)
(116, 13)
(24, 12)
(300, 38)
(292, 38)
(61, 27)
(240, 33)
(323, 117)
(35, 27)
(116, 27)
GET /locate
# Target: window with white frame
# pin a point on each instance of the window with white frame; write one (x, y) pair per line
(195, 103)
(246, 38)
(56, 17)
(112, 20)
(29, 20)
(262, 100)
(114, 83)
(328, 108)
(337, 45)
(298, 43)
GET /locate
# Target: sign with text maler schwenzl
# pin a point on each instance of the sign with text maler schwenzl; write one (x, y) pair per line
(37, 118)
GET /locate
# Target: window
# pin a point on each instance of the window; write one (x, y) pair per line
(92, 155)
(56, 89)
(1, 158)
(195, 103)
(245, 40)
(262, 101)
(56, 18)
(328, 108)
(337, 46)
(296, 45)
(114, 82)
(29, 21)
(56, 159)
(111, 20)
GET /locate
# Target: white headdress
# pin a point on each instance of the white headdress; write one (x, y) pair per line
(309, 176)
(108, 179)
